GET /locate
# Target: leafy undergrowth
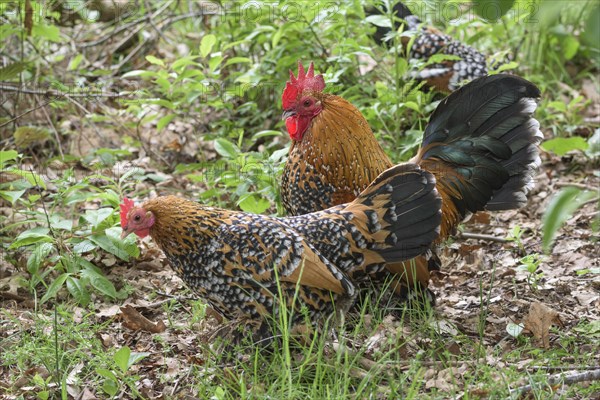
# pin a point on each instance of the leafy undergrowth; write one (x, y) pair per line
(197, 112)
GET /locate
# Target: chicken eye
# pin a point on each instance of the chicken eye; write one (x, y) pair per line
(306, 103)
(137, 218)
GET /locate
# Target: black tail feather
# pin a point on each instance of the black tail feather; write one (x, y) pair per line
(485, 131)
(412, 210)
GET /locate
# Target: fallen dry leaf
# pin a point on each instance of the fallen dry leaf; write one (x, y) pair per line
(133, 320)
(539, 320)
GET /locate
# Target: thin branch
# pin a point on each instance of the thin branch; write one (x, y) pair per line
(56, 135)
(481, 236)
(561, 379)
(25, 113)
(156, 28)
(55, 93)
(144, 19)
(564, 367)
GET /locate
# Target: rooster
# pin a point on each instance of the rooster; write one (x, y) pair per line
(447, 75)
(242, 263)
(480, 143)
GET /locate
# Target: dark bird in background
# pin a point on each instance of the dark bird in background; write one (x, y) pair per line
(447, 75)
(248, 266)
(480, 143)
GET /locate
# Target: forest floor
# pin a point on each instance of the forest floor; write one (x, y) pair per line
(498, 298)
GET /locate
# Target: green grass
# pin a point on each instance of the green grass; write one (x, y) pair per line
(319, 368)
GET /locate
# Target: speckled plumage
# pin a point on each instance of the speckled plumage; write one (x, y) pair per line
(313, 179)
(447, 75)
(480, 143)
(238, 261)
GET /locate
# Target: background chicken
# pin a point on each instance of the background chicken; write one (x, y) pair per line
(447, 75)
(480, 143)
(239, 261)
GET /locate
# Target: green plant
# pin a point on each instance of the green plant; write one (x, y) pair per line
(56, 246)
(530, 264)
(561, 208)
(119, 374)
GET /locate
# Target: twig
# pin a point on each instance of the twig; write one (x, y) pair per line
(56, 135)
(25, 113)
(481, 236)
(563, 367)
(11, 296)
(156, 28)
(55, 93)
(127, 26)
(561, 379)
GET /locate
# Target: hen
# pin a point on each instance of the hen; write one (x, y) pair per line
(480, 143)
(447, 75)
(242, 263)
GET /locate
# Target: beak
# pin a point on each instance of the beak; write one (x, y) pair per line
(288, 113)
(125, 233)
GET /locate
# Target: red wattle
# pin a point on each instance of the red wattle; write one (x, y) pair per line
(142, 233)
(291, 123)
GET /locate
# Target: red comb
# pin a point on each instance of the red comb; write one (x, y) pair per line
(304, 81)
(125, 207)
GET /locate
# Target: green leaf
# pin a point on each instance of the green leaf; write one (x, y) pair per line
(492, 10)
(95, 217)
(207, 43)
(50, 32)
(31, 236)
(279, 155)
(164, 121)
(155, 61)
(238, 60)
(438, 58)
(111, 383)
(135, 357)
(140, 72)
(33, 178)
(78, 291)
(55, 287)
(379, 20)
(12, 195)
(214, 62)
(558, 106)
(593, 150)
(121, 358)
(131, 172)
(569, 45)
(6, 156)
(75, 62)
(105, 373)
(99, 282)
(112, 243)
(110, 387)
(57, 222)
(254, 203)
(266, 133)
(505, 67)
(183, 62)
(38, 255)
(561, 146)
(29, 135)
(591, 32)
(12, 70)
(561, 208)
(226, 149)
(84, 246)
